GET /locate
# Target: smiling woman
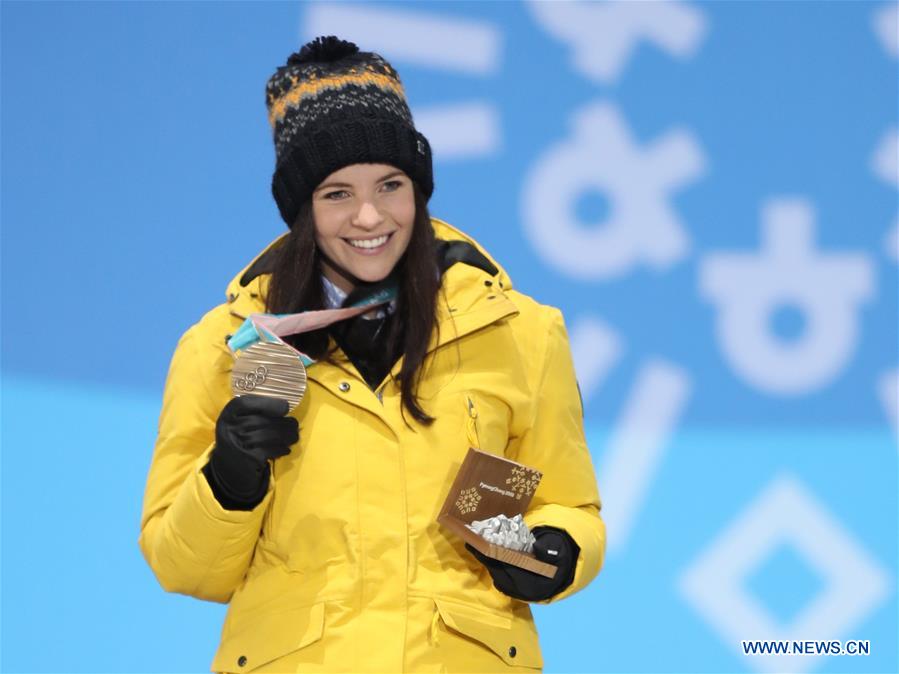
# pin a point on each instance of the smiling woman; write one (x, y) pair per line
(324, 542)
(363, 215)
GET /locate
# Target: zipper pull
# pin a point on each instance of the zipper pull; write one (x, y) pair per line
(474, 439)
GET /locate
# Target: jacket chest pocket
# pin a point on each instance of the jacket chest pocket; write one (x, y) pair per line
(471, 422)
(486, 422)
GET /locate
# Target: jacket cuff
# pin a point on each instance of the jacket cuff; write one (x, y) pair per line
(587, 530)
(232, 501)
(574, 551)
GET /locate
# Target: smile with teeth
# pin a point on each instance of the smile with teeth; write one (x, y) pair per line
(369, 243)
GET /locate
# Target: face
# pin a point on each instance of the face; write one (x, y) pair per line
(354, 209)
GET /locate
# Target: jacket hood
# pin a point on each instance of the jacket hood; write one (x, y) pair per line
(249, 285)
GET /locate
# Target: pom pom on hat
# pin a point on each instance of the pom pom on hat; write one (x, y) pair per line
(323, 50)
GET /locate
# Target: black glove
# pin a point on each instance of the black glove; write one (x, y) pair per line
(250, 430)
(527, 585)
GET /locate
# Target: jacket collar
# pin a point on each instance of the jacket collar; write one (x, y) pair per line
(472, 293)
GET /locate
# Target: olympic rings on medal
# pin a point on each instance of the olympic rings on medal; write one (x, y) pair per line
(251, 379)
(270, 369)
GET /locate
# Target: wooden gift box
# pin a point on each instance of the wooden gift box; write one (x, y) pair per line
(485, 486)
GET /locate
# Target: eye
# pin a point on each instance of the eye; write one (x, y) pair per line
(334, 196)
(393, 185)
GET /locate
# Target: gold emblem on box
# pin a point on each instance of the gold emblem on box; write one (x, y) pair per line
(468, 501)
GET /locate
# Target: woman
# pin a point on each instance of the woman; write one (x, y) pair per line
(318, 526)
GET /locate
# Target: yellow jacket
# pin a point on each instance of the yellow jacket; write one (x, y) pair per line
(343, 567)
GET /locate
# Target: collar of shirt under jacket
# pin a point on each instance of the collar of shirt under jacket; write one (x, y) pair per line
(334, 298)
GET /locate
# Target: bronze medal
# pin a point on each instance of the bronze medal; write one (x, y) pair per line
(266, 365)
(271, 369)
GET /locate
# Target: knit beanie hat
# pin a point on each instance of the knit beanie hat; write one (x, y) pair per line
(332, 105)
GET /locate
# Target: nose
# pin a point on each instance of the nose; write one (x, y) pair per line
(368, 216)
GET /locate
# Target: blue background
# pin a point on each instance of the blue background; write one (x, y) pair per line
(136, 167)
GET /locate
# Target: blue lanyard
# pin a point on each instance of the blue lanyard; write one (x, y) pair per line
(249, 333)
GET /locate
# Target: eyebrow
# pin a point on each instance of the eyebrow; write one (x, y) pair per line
(380, 180)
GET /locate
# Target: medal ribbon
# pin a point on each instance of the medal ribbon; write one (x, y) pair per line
(271, 327)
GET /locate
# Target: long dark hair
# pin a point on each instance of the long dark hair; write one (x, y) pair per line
(295, 285)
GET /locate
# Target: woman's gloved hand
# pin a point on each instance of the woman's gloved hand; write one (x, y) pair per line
(554, 546)
(250, 430)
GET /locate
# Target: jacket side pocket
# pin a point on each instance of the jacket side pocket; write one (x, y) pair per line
(270, 636)
(514, 641)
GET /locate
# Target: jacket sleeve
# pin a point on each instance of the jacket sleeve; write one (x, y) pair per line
(553, 443)
(192, 544)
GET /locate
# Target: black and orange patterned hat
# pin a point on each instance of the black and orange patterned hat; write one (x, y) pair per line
(332, 105)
